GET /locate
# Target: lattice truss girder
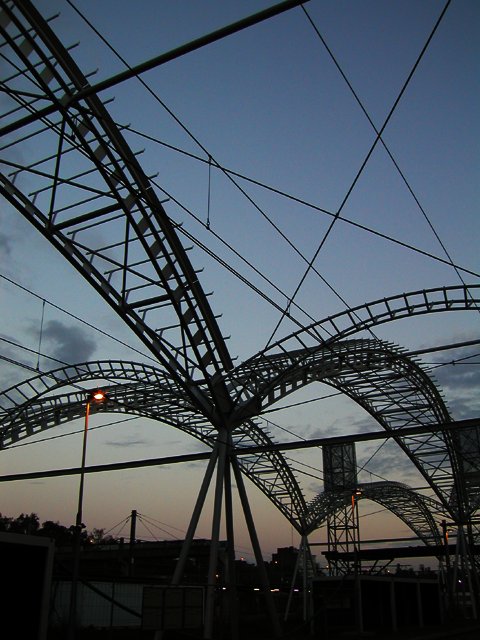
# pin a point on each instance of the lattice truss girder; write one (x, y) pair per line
(31, 406)
(364, 317)
(342, 525)
(84, 189)
(36, 405)
(156, 395)
(378, 376)
(420, 513)
(343, 535)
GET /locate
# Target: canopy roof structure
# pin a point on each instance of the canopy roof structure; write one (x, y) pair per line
(73, 176)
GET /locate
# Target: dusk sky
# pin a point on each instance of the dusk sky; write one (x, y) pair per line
(288, 107)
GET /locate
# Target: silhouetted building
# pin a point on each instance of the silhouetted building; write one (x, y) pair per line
(153, 561)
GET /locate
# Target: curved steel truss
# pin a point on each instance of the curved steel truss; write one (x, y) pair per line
(86, 177)
(35, 405)
(85, 191)
(419, 513)
(382, 379)
(379, 377)
(319, 335)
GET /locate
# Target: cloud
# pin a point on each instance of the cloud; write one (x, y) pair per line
(11, 372)
(463, 370)
(70, 344)
(129, 442)
(458, 376)
(390, 462)
(340, 427)
(315, 487)
(5, 246)
(196, 464)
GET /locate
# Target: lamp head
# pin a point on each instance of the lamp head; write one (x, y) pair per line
(96, 396)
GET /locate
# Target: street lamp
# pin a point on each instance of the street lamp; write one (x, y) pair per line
(93, 397)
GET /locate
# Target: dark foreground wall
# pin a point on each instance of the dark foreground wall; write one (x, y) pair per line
(375, 603)
(26, 563)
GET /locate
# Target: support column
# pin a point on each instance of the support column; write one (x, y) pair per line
(231, 581)
(192, 527)
(256, 549)
(292, 586)
(217, 515)
(131, 546)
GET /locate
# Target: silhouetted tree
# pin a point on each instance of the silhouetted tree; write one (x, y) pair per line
(62, 535)
(4, 523)
(27, 524)
(97, 536)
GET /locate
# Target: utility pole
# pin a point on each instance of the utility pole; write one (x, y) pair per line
(133, 530)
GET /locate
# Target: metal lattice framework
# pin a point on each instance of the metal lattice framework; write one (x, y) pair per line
(85, 191)
(87, 176)
(378, 376)
(420, 513)
(32, 407)
(294, 347)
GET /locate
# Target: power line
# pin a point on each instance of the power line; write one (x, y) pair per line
(75, 317)
(130, 69)
(359, 172)
(302, 201)
(144, 520)
(40, 354)
(155, 520)
(71, 433)
(303, 402)
(382, 141)
(321, 476)
(332, 224)
(132, 72)
(210, 160)
(267, 421)
(249, 450)
(115, 526)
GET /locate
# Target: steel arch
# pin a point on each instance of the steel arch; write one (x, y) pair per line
(344, 324)
(143, 271)
(31, 407)
(379, 377)
(414, 509)
(382, 379)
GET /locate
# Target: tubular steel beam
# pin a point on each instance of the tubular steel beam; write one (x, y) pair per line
(421, 551)
(168, 56)
(283, 446)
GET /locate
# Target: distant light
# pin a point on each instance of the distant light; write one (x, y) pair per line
(256, 588)
(98, 396)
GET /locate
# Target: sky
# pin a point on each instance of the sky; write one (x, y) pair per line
(278, 104)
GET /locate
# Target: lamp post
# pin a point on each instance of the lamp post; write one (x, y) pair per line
(93, 397)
